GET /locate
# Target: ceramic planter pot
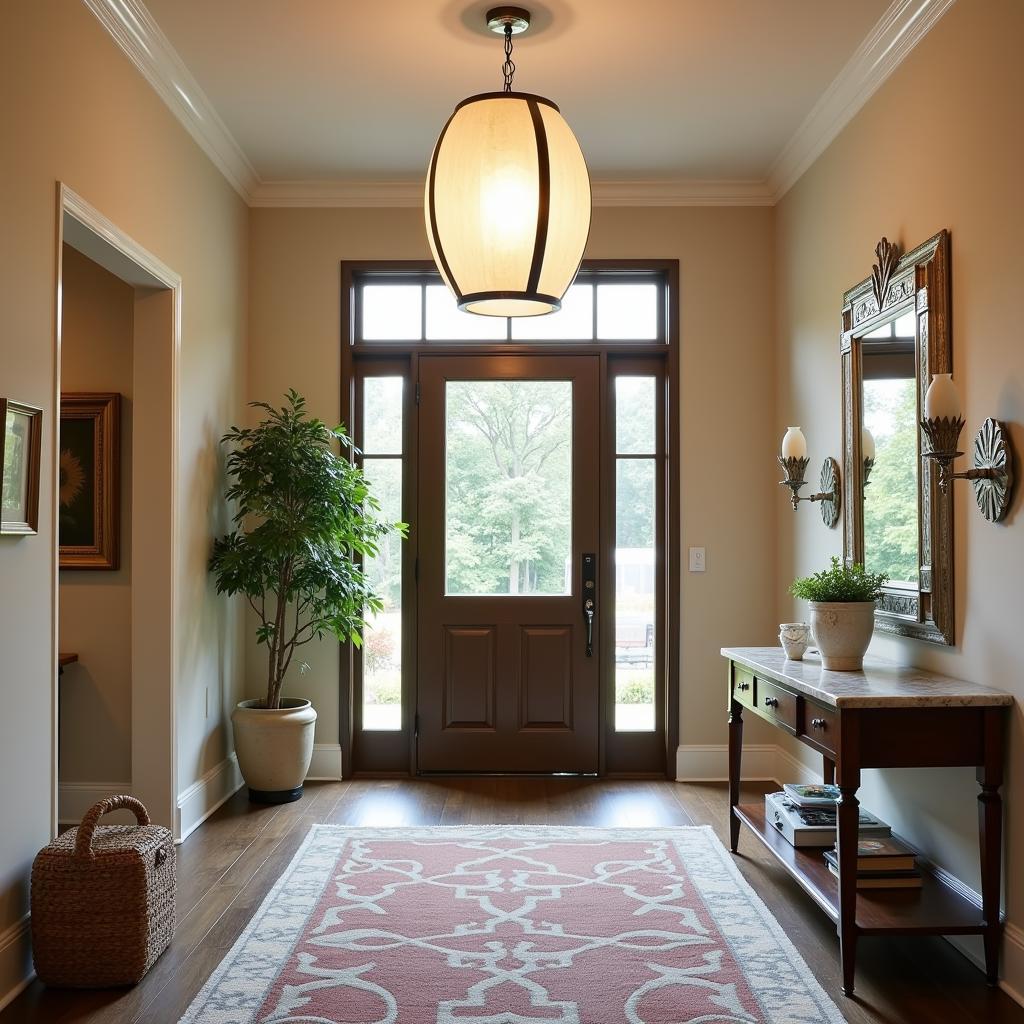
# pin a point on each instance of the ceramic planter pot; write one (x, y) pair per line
(274, 748)
(842, 631)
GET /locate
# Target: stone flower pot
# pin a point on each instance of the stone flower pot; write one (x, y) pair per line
(842, 630)
(274, 748)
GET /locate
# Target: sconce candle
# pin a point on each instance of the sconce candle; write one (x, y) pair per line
(867, 444)
(794, 444)
(942, 398)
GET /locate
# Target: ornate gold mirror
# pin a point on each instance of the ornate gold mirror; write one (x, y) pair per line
(896, 335)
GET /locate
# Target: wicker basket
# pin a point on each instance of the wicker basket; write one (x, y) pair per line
(103, 900)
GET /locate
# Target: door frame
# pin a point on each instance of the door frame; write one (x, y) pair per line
(395, 752)
(155, 545)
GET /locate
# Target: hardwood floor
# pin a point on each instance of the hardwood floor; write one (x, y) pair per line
(228, 865)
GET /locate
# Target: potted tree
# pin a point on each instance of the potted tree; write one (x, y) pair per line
(842, 612)
(304, 515)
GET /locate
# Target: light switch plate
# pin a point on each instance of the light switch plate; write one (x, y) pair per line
(697, 560)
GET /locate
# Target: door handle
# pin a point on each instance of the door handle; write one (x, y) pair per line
(589, 598)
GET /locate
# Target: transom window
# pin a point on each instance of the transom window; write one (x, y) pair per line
(600, 307)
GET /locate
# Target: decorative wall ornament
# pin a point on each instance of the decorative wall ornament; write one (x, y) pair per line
(992, 452)
(888, 254)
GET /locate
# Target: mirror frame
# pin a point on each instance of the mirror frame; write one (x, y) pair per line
(920, 282)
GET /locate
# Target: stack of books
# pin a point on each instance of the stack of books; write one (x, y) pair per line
(806, 816)
(882, 863)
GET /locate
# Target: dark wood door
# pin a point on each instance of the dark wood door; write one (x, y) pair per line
(508, 511)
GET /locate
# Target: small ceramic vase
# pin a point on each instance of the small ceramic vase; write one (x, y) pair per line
(794, 636)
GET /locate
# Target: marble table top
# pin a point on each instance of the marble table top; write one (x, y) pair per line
(881, 684)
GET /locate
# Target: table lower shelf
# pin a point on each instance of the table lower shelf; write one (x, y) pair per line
(934, 909)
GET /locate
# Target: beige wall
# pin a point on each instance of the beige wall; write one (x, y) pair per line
(74, 109)
(95, 607)
(727, 372)
(941, 145)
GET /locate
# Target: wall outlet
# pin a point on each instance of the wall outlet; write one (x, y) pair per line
(696, 559)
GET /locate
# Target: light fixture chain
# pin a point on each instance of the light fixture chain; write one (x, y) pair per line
(508, 68)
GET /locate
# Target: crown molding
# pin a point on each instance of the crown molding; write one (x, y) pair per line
(897, 32)
(409, 193)
(132, 27)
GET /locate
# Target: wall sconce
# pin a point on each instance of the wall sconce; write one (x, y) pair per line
(794, 461)
(993, 457)
(867, 450)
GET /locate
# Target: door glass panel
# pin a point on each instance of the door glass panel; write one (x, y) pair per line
(446, 322)
(635, 547)
(635, 416)
(381, 652)
(382, 415)
(392, 312)
(508, 487)
(627, 312)
(382, 639)
(574, 321)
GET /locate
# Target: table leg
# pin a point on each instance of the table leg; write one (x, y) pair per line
(828, 770)
(735, 752)
(990, 835)
(848, 814)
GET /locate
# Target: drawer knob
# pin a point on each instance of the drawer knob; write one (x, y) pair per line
(771, 702)
(744, 686)
(819, 723)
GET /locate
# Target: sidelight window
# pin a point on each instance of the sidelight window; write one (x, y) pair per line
(382, 639)
(636, 525)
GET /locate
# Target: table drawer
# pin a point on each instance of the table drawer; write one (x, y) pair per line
(743, 686)
(776, 704)
(820, 727)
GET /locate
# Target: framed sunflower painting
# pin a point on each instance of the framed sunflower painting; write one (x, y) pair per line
(89, 500)
(19, 467)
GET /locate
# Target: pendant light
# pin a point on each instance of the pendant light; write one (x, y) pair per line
(507, 200)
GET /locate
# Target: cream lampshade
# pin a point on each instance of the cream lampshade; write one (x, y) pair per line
(507, 201)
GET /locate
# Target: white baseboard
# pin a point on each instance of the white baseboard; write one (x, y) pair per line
(709, 762)
(204, 796)
(75, 798)
(15, 961)
(1012, 980)
(326, 763)
(769, 762)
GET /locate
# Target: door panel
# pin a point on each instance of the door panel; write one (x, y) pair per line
(545, 677)
(508, 470)
(470, 677)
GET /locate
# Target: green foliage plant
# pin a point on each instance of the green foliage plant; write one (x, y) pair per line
(304, 517)
(840, 583)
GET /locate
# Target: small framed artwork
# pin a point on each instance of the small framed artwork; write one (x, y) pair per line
(89, 497)
(19, 467)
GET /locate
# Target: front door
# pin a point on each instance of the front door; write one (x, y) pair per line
(508, 654)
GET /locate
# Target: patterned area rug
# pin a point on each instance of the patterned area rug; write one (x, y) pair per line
(512, 925)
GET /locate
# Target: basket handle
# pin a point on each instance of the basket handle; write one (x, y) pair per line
(83, 841)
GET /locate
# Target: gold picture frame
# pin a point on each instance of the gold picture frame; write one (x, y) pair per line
(19, 467)
(89, 491)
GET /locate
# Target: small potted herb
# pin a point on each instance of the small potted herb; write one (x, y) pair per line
(842, 612)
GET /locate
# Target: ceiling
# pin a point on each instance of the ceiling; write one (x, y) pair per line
(322, 90)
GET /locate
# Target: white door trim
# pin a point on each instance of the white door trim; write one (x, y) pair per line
(154, 666)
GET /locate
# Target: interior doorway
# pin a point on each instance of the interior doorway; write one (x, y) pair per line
(116, 568)
(535, 463)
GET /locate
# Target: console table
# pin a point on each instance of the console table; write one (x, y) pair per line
(885, 716)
